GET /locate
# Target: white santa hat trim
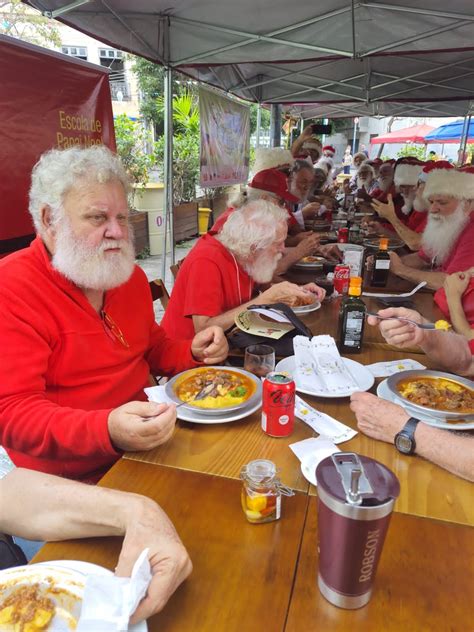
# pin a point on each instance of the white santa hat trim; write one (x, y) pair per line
(450, 182)
(272, 158)
(406, 174)
(311, 144)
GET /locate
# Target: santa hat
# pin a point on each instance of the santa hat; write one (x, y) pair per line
(275, 182)
(312, 143)
(329, 148)
(325, 163)
(446, 180)
(390, 161)
(272, 158)
(432, 165)
(407, 171)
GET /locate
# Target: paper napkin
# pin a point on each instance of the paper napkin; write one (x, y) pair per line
(385, 369)
(109, 601)
(157, 394)
(311, 452)
(323, 424)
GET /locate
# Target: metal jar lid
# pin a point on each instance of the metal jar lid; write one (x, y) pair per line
(356, 486)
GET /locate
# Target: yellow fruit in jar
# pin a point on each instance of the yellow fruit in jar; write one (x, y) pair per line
(253, 515)
(442, 324)
(256, 503)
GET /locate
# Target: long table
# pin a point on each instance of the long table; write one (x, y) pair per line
(247, 577)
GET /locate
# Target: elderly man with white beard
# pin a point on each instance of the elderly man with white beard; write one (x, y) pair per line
(447, 242)
(218, 278)
(78, 333)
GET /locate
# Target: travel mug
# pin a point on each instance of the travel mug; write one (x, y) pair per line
(356, 495)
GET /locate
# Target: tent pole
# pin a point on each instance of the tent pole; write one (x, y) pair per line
(467, 123)
(259, 123)
(354, 136)
(168, 169)
(275, 125)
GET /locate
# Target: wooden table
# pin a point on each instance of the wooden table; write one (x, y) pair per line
(249, 578)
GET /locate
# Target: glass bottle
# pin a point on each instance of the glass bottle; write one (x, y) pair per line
(381, 267)
(352, 319)
(262, 491)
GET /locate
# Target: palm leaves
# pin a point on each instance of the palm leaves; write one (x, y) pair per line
(185, 112)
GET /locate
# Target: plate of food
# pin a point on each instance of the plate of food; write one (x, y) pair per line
(373, 242)
(306, 305)
(214, 390)
(434, 393)
(46, 596)
(361, 375)
(310, 262)
(438, 420)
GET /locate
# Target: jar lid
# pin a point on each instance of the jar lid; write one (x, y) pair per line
(259, 471)
(350, 478)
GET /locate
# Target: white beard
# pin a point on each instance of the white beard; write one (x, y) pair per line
(263, 267)
(363, 184)
(88, 267)
(441, 233)
(420, 204)
(408, 203)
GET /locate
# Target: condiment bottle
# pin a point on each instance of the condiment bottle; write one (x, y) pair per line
(381, 265)
(262, 491)
(352, 319)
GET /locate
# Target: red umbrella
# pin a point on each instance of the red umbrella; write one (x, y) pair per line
(415, 134)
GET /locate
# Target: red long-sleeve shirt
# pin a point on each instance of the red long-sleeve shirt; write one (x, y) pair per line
(62, 373)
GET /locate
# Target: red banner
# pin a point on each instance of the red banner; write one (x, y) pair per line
(46, 100)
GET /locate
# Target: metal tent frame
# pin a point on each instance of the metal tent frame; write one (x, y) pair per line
(333, 58)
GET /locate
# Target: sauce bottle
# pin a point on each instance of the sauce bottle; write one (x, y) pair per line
(352, 319)
(381, 265)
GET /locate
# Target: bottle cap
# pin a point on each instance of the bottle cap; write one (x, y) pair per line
(354, 290)
(383, 244)
(356, 280)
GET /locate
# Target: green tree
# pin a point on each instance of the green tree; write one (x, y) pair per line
(417, 151)
(150, 84)
(185, 112)
(24, 23)
(132, 139)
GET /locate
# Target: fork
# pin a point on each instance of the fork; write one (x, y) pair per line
(201, 395)
(406, 320)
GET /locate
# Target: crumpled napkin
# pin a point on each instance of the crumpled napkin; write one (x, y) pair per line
(109, 601)
(385, 369)
(157, 394)
(323, 424)
(320, 367)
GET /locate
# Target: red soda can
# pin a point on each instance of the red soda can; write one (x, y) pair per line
(343, 236)
(278, 405)
(341, 278)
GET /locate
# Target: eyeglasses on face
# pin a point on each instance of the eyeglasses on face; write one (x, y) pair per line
(112, 329)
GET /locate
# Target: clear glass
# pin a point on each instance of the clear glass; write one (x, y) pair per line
(261, 495)
(259, 359)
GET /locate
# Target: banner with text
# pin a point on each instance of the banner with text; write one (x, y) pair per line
(225, 140)
(46, 101)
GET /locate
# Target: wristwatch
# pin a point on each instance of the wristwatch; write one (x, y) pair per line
(405, 439)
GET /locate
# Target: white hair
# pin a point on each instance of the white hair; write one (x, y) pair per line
(249, 194)
(59, 170)
(252, 227)
(272, 158)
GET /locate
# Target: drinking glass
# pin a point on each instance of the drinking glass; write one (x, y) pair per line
(259, 359)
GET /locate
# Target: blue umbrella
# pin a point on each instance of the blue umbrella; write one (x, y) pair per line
(450, 133)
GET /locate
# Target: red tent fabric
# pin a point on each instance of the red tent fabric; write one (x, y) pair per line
(415, 134)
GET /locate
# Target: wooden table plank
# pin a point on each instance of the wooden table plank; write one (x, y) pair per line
(425, 582)
(243, 573)
(427, 490)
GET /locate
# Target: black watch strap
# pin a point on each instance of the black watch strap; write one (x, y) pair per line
(405, 439)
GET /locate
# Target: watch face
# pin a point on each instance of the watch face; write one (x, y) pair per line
(404, 443)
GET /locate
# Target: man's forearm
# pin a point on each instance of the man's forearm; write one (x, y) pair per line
(434, 280)
(449, 350)
(458, 318)
(45, 507)
(453, 452)
(410, 237)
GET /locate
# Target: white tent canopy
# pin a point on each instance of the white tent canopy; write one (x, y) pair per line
(329, 58)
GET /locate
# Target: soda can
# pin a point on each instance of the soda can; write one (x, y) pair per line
(343, 236)
(341, 278)
(278, 405)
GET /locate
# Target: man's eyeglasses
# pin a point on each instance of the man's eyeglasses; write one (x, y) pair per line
(112, 329)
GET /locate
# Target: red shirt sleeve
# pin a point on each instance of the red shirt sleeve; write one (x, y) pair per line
(463, 257)
(212, 301)
(167, 356)
(471, 346)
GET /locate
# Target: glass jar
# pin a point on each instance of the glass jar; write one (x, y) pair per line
(262, 491)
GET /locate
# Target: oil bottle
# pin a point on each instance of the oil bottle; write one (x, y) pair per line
(352, 319)
(381, 267)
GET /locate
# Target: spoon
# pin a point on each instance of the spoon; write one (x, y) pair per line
(402, 318)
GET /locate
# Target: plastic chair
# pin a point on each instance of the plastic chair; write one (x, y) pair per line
(159, 291)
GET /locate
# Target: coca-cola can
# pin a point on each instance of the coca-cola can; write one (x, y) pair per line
(343, 235)
(342, 274)
(278, 405)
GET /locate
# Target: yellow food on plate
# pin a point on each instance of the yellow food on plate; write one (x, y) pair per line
(26, 609)
(223, 388)
(438, 393)
(442, 324)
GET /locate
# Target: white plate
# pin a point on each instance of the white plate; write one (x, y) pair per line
(362, 376)
(68, 574)
(440, 422)
(186, 414)
(306, 309)
(310, 265)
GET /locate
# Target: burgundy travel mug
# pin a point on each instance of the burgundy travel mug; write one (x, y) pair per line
(356, 495)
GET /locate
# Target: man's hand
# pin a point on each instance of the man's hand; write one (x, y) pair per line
(456, 284)
(331, 252)
(319, 292)
(396, 264)
(149, 527)
(310, 211)
(141, 425)
(378, 418)
(210, 346)
(385, 210)
(299, 237)
(398, 332)
(308, 245)
(285, 292)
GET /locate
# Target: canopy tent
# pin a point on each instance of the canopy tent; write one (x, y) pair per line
(333, 58)
(451, 133)
(414, 134)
